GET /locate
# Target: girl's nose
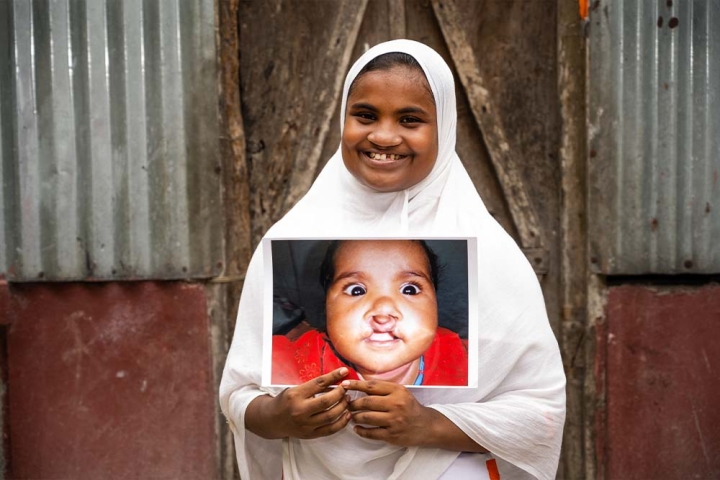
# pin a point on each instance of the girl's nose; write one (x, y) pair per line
(384, 137)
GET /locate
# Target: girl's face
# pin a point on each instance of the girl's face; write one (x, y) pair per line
(390, 140)
(381, 307)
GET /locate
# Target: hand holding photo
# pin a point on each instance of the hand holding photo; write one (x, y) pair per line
(390, 309)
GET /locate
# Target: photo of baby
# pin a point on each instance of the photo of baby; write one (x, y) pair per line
(378, 307)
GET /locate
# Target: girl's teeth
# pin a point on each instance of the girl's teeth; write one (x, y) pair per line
(383, 156)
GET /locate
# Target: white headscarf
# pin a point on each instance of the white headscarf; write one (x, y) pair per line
(518, 410)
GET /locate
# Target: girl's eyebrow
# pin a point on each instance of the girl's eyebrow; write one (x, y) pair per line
(412, 110)
(364, 106)
(402, 111)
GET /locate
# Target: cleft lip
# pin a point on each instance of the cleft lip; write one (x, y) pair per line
(382, 337)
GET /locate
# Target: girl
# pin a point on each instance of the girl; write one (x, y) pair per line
(397, 174)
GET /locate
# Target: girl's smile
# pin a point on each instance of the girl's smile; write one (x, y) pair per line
(389, 140)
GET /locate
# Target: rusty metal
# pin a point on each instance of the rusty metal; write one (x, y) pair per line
(654, 152)
(111, 380)
(661, 359)
(110, 158)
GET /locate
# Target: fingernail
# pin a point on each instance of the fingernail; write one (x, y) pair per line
(345, 383)
(343, 371)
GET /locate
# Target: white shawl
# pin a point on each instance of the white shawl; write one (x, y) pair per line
(518, 410)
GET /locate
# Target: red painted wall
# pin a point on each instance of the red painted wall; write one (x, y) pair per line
(662, 384)
(110, 380)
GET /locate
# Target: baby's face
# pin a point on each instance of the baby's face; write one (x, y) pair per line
(381, 306)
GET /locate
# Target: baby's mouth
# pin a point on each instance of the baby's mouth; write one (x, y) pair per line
(382, 337)
(385, 157)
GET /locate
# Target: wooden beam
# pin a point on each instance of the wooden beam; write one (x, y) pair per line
(397, 20)
(487, 117)
(236, 178)
(330, 81)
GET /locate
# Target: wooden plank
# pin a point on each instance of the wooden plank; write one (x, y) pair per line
(331, 78)
(397, 18)
(487, 116)
(236, 178)
(223, 299)
(292, 63)
(575, 337)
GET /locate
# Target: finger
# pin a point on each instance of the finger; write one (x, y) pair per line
(321, 383)
(373, 403)
(372, 419)
(326, 400)
(334, 427)
(374, 433)
(330, 415)
(371, 387)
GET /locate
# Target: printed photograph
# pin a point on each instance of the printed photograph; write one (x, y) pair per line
(387, 309)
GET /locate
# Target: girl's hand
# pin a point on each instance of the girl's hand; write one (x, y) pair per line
(392, 414)
(297, 412)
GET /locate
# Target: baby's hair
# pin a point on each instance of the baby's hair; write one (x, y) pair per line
(327, 268)
(388, 61)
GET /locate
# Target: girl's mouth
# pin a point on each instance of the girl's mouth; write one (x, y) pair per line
(385, 157)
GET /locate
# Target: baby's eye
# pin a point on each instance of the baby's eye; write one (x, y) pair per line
(409, 289)
(354, 290)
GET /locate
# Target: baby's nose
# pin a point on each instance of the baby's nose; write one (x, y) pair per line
(384, 314)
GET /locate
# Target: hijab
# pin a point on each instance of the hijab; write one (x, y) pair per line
(517, 411)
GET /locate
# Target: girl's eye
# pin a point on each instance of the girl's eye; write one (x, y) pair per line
(408, 120)
(364, 116)
(409, 289)
(354, 290)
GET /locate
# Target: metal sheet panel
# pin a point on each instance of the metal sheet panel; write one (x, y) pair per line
(110, 157)
(661, 392)
(654, 137)
(110, 380)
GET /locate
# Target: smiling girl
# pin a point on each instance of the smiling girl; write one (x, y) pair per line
(396, 174)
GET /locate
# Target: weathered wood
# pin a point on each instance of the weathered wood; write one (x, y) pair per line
(223, 299)
(331, 77)
(571, 86)
(396, 18)
(294, 55)
(595, 398)
(486, 114)
(423, 27)
(237, 182)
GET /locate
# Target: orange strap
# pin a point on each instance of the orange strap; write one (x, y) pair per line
(492, 469)
(583, 4)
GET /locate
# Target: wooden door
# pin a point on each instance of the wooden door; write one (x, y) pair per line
(283, 65)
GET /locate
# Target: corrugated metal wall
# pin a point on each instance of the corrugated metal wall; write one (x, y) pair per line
(109, 162)
(654, 138)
